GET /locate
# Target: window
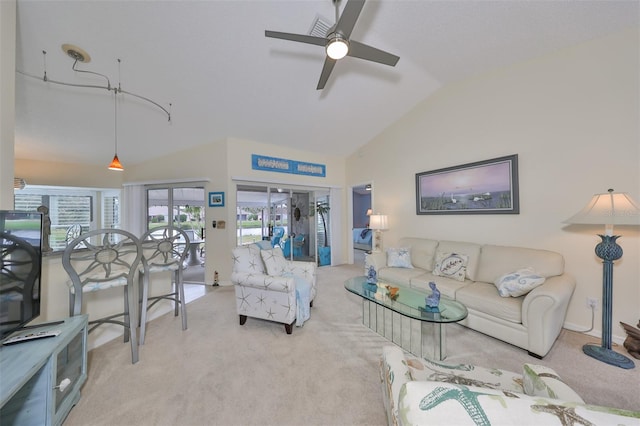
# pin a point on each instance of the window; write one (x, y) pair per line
(71, 207)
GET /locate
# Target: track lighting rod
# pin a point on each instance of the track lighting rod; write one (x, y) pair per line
(108, 87)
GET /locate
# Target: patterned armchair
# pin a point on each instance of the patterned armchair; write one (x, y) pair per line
(270, 287)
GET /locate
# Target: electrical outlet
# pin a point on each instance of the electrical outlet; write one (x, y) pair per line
(592, 302)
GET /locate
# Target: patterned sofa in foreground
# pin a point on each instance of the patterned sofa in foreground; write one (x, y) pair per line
(421, 392)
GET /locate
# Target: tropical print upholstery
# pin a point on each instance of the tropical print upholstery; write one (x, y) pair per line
(422, 392)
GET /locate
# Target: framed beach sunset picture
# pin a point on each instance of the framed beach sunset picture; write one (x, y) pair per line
(483, 187)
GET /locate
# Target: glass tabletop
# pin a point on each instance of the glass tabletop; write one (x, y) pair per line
(409, 302)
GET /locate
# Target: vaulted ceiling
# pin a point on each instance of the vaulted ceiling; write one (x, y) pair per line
(209, 63)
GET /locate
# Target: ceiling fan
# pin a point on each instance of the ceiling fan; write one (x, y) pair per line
(337, 42)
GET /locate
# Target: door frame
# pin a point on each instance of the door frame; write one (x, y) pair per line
(350, 209)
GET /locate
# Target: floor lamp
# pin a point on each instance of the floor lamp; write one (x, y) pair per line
(378, 222)
(611, 208)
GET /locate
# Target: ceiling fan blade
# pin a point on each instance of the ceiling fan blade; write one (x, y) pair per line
(349, 17)
(326, 72)
(363, 51)
(302, 38)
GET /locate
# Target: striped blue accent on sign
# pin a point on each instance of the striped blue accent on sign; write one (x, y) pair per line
(281, 165)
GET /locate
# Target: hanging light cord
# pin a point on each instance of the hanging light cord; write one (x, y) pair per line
(115, 119)
(93, 86)
(73, 67)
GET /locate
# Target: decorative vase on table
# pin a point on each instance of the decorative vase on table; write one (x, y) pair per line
(432, 301)
(372, 275)
(372, 278)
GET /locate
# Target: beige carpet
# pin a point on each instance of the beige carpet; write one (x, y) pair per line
(325, 373)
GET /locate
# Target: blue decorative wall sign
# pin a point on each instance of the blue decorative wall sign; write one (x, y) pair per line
(281, 165)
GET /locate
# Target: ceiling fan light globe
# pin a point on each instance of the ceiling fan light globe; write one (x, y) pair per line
(337, 48)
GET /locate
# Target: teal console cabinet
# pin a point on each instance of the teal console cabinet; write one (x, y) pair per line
(40, 379)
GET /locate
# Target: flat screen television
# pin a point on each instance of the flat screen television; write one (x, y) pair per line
(20, 269)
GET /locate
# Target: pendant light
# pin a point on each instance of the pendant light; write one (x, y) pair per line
(115, 163)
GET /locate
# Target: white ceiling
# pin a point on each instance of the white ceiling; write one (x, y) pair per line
(224, 78)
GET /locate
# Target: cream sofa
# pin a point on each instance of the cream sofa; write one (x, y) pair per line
(417, 391)
(532, 321)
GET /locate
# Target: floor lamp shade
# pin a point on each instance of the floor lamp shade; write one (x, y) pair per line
(611, 208)
(608, 209)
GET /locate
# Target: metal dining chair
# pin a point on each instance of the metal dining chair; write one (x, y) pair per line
(163, 250)
(99, 260)
(19, 277)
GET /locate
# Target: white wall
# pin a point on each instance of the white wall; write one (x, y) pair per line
(67, 174)
(573, 119)
(7, 100)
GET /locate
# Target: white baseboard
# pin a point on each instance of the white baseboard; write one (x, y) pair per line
(594, 333)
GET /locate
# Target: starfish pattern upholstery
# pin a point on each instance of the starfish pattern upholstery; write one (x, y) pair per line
(266, 283)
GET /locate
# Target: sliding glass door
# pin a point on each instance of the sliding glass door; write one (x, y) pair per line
(285, 217)
(182, 207)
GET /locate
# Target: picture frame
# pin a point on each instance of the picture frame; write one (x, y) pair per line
(482, 187)
(216, 199)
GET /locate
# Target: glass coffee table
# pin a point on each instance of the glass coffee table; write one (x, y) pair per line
(405, 320)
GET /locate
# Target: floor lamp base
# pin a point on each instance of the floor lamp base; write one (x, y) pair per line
(608, 356)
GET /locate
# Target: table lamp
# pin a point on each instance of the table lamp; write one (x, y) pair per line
(378, 222)
(611, 208)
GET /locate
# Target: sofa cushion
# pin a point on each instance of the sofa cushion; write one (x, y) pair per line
(399, 257)
(472, 250)
(247, 259)
(518, 283)
(447, 286)
(483, 297)
(274, 261)
(423, 251)
(451, 265)
(539, 380)
(498, 260)
(400, 276)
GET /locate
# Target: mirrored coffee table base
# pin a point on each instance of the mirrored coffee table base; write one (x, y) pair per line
(421, 338)
(404, 321)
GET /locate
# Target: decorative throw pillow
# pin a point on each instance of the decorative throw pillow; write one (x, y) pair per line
(451, 265)
(539, 380)
(247, 259)
(274, 261)
(399, 257)
(518, 283)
